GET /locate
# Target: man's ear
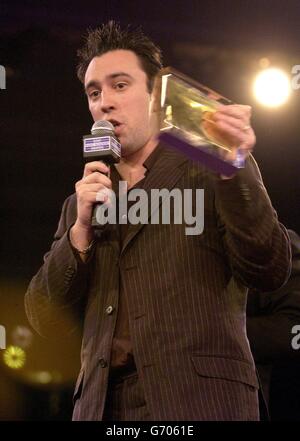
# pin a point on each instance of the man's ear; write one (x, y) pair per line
(155, 101)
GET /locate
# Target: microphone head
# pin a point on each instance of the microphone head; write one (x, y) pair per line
(102, 144)
(100, 125)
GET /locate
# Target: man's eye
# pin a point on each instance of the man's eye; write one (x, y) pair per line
(120, 86)
(94, 94)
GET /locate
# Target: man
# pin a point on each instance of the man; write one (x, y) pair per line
(271, 317)
(164, 335)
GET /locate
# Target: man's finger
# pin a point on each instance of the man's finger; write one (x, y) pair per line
(95, 166)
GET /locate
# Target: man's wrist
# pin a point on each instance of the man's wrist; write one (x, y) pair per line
(84, 250)
(81, 239)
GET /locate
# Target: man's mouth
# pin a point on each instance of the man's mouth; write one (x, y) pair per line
(117, 125)
(114, 122)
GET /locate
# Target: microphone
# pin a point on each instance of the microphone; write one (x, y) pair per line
(102, 145)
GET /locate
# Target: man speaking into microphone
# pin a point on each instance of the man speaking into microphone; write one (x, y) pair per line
(164, 335)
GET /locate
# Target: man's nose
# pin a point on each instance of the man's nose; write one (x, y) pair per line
(107, 102)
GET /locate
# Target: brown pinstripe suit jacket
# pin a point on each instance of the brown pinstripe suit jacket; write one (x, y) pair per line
(186, 296)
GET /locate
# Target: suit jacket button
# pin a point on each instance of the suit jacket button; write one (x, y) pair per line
(103, 362)
(109, 310)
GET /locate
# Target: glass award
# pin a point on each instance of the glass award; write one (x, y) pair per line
(185, 105)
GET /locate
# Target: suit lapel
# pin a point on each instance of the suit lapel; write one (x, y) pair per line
(164, 174)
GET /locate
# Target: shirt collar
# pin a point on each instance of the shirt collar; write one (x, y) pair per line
(153, 157)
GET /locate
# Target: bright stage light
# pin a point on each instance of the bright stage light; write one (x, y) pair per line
(272, 87)
(14, 357)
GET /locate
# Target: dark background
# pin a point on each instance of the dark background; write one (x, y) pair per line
(44, 115)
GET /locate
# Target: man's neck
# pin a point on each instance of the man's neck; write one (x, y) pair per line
(131, 167)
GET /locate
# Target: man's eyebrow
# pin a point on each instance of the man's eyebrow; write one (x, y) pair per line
(95, 83)
(119, 74)
(92, 83)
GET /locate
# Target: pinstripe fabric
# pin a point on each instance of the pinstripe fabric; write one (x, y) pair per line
(126, 401)
(186, 297)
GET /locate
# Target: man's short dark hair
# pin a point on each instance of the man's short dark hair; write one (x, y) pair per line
(109, 37)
